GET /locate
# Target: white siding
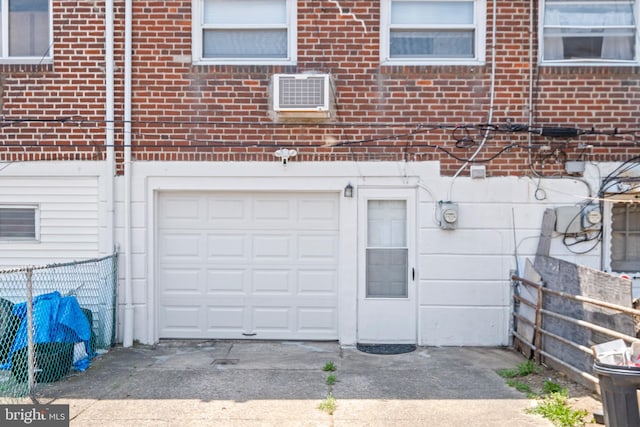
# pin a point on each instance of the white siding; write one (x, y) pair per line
(67, 204)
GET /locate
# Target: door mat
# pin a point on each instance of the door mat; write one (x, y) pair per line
(386, 348)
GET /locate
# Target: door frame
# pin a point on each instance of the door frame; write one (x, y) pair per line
(399, 308)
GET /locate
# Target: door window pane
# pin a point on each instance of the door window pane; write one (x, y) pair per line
(387, 254)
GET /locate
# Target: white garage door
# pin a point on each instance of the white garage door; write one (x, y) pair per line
(248, 265)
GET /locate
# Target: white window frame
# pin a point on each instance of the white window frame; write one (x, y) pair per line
(197, 41)
(480, 18)
(587, 62)
(36, 224)
(45, 58)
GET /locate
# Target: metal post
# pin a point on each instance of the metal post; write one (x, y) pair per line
(538, 328)
(30, 344)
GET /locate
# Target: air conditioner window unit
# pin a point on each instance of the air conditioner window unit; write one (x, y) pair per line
(301, 93)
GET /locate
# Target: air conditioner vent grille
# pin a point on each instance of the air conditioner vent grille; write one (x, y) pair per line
(305, 93)
(301, 93)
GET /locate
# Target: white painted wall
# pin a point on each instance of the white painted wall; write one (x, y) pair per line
(463, 275)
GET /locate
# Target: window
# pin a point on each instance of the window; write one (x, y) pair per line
(589, 31)
(244, 31)
(625, 237)
(17, 223)
(25, 35)
(387, 253)
(426, 31)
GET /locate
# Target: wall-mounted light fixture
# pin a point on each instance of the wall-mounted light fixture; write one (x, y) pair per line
(285, 154)
(348, 190)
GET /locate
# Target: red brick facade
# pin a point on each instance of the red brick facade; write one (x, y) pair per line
(192, 112)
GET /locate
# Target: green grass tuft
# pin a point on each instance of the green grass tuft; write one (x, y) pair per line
(522, 370)
(329, 367)
(329, 404)
(555, 408)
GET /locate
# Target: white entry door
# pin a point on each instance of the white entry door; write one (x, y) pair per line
(387, 285)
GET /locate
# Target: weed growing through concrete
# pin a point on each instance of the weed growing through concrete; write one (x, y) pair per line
(328, 404)
(521, 387)
(553, 399)
(555, 407)
(331, 379)
(522, 370)
(329, 367)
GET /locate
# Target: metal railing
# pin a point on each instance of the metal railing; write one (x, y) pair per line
(540, 333)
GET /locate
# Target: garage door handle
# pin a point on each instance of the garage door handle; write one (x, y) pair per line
(249, 335)
(413, 274)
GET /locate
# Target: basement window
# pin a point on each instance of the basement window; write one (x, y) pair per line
(625, 237)
(25, 31)
(18, 223)
(589, 32)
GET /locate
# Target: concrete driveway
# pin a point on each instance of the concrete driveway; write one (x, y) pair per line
(253, 383)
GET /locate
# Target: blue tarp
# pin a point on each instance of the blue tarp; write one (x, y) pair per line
(55, 319)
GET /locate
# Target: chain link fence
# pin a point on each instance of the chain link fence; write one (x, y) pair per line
(53, 320)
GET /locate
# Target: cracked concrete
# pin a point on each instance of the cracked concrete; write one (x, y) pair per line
(282, 384)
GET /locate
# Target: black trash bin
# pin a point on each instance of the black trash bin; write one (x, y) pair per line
(618, 389)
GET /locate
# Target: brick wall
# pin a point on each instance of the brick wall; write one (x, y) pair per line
(220, 113)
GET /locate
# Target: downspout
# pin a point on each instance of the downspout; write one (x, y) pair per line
(127, 340)
(110, 157)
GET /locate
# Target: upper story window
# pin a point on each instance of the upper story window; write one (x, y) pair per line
(433, 32)
(18, 223)
(589, 32)
(25, 31)
(244, 31)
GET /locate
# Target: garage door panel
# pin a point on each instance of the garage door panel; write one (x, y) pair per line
(317, 319)
(181, 281)
(271, 318)
(271, 282)
(183, 209)
(272, 210)
(226, 318)
(181, 320)
(317, 247)
(228, 246)
(317, 282)
(180, 245)
(220, 281)
(230, 210)
(273, 247)
(260, 265)
(318, 213)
